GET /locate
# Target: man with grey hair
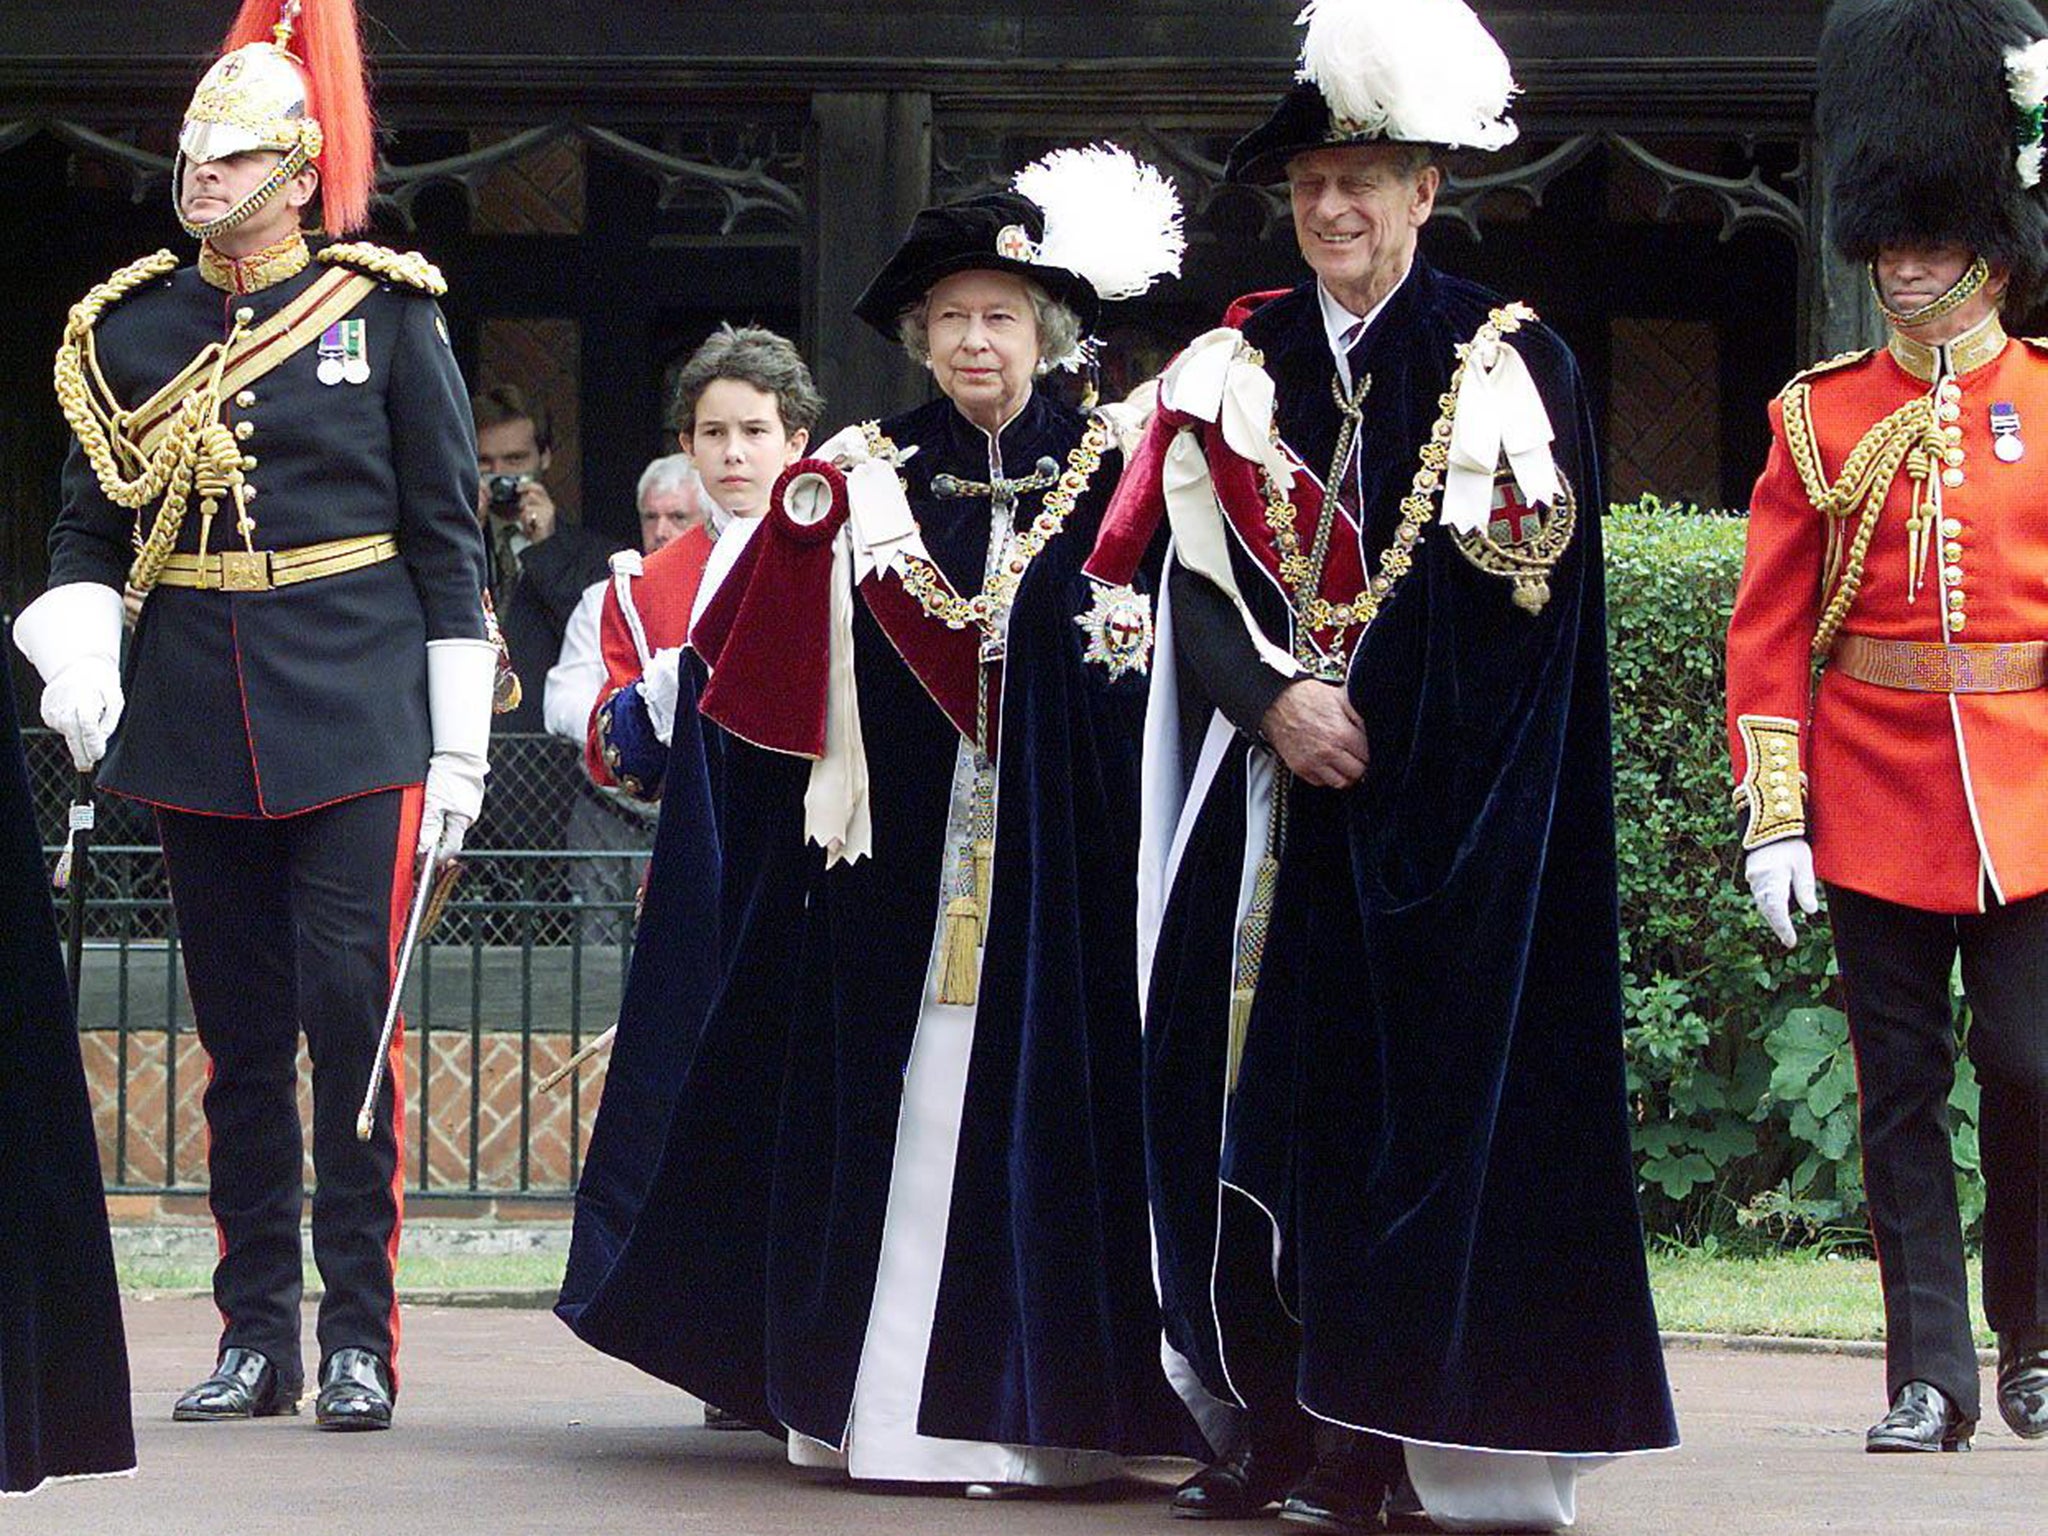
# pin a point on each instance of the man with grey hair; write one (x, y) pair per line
(671, 501)
(1377, 873)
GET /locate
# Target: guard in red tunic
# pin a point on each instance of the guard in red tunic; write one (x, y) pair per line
(1896, 543)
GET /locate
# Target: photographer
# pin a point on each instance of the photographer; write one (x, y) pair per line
(540, 567)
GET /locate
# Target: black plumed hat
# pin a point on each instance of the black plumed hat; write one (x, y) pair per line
(1921, 137)
(1300, 123)
(995, 232)
(1385, 72)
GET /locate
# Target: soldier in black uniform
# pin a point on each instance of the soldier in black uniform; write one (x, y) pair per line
(274, 447)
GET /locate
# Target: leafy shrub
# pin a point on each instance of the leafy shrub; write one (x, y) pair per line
(1739, 1064)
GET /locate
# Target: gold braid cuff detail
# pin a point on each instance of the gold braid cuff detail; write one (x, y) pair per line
(1773, 789)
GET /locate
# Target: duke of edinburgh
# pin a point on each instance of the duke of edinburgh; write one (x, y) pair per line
(1896, 544)
(274, 451)
(1377, 879)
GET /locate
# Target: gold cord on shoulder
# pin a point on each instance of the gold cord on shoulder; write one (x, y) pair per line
(196, 451)
(407, 268)
(1908, 438)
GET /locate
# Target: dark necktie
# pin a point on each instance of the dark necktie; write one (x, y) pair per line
(508, 563)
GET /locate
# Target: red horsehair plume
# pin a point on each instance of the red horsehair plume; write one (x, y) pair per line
(325, 37)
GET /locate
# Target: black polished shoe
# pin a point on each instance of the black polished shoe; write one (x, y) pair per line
(1922, 1419)
(1240, 1486)
(244, 1385)
(1348, 1484)
(355, 1392)
(2023, 1383)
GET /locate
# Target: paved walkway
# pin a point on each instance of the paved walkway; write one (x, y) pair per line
(509, 1425)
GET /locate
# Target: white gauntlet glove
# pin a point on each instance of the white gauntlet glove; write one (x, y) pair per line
(659, 685)
(1777, 874)
(72, 634)
(460, 677)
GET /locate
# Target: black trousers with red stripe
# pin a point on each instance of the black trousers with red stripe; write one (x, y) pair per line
(1896, 962)
(289, 925)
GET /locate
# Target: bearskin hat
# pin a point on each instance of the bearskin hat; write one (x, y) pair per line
(1929, 121)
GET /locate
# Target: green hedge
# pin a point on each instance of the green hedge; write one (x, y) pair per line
(1739, 1065)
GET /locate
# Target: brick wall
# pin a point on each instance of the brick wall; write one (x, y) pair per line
(133, 1144)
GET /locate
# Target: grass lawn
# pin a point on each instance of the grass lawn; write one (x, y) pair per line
(416, 1272)
(1794, 1294)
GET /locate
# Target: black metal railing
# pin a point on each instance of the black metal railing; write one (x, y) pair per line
(526, 965)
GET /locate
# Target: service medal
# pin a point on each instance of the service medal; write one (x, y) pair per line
(1119, 630)
(344, 354)
(2006, 441)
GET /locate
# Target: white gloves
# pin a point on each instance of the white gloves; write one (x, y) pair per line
(460, 677)
(72, 635)
(1777, 873)
(659, 685)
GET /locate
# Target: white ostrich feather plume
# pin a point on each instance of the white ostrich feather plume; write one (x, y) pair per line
(1108, 216)
(2026, 74)
(1420, 71)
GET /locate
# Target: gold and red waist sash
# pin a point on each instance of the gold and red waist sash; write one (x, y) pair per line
(1921, 666)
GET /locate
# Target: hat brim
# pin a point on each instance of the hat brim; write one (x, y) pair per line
(896, 288)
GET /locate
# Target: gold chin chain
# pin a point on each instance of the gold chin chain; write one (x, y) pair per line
(1965, 288)
(987, 608)
(1908, 438)
(197, 451)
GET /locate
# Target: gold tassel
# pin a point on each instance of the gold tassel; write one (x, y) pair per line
(959, 961)
(984, 879)
(1251, 954)
(1240, 1023)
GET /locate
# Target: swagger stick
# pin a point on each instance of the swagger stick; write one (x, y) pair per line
(73, 875)
(578, 1059)
(423, 895)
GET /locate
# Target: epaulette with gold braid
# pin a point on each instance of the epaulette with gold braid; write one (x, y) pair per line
(2038, 343)
(87, 311)
(1829, 365)
(409, 268)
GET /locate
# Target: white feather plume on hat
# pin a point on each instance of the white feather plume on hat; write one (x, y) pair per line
(1109, 217)
(1415, 71)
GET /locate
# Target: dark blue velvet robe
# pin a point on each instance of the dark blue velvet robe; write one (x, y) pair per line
(1431, 1104)
(64, 1409)
(749, 1277)
(668, 992)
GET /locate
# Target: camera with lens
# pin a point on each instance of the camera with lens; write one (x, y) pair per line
(502, 493)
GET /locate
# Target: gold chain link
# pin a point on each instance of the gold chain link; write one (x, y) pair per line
(923, 580)
(1317, 612)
